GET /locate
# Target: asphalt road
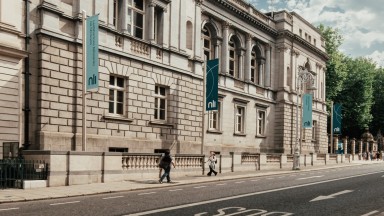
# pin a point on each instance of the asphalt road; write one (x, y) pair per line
(348, 191)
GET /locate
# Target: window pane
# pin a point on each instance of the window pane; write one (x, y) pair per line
(139, 20)
(111, 95)
(119, 108)
(162, 91)
(139, 4)
(138, 33)
(232, 54)
(120, 96)
(156, 90)
(206, 44)
(156, 103)
(111, 107)
(111, 80)
(162, 104)
(162, 114)
(120, 82)
(156, 114)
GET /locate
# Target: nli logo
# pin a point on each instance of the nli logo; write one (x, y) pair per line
(212, 104)
(92, 80)
(307, 124)
(336, 130)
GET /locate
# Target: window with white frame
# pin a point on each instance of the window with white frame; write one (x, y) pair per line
(239, 119)
(207, 44)
(158, 25)
(116, 95)
(314, 128)
(260, 125)
(160, 103)
(214, 119)
(135, 18)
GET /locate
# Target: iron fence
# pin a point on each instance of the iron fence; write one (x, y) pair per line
(13, 171)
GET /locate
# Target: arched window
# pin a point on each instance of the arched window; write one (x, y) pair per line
(189, 35)
(208, 46)
(233, 59)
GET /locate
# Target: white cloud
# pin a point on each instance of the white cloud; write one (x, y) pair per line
(359, 22)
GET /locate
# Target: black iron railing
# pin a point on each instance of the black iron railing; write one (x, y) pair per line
(13, 171)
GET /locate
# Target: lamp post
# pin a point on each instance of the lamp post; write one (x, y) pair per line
(302, 77)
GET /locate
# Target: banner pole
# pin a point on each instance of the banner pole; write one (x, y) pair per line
(204, 102)
(331, 127)
(84, 114)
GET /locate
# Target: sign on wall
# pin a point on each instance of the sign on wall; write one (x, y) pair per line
(337, 119)
(307, 111)
(211, 93)
(92, 54)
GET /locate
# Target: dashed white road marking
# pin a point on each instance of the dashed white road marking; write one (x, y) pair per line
(115, 197)
(200, 187)
(270, 178)
(8, 209)
(370, 213)
(255, 180)
(310, 177)
(64, 203)
(176, 190)
(221, 184)
(146, 193)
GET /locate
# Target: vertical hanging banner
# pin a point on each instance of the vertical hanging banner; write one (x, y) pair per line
(307, 111)
(337, 119)
(92, 52)
(212, 83)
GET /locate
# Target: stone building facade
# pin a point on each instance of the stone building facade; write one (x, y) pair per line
(151, 68)
(12, 55)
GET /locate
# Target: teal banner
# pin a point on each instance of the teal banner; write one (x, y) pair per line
(212, 85)
(336, 119)
(92, 54)
(307, 111)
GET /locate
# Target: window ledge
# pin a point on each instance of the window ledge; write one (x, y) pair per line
(214, 131)
(240, 134)
(117, 118)
(161, 123)
(260, 136)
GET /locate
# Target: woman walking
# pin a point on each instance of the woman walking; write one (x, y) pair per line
(212, 160)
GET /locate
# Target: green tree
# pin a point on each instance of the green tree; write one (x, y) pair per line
(377, 110)
(356, 96)
(336, 68)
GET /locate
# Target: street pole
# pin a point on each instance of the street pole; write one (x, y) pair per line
(84, 114)
(331, 127)
(303, 76)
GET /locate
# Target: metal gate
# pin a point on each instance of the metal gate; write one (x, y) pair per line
(13, 171)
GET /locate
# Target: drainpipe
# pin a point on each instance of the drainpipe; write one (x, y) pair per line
(26, 109)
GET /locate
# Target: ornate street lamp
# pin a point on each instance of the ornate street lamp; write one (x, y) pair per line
(303, 76)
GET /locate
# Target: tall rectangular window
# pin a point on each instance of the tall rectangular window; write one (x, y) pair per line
(314, 128)
(260, 125)
(239, 119)
(116, 95)
(232, 58)
(160, 103)
(158, 25)
(214, 120)
(135, 18)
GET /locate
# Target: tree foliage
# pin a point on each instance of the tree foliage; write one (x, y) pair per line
(377, 110)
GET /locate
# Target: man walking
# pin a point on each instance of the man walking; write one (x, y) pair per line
(165, 163)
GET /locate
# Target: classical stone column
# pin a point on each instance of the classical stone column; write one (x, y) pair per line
(335, 143)
(248, 56)
(353, 146)
(151, 22)
(268, 65)
(224, 51)
(241, 64)
(360, 146)
(260, 68)
(345, 145)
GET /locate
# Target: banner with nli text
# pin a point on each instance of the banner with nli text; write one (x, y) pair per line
(92, 54)
(337, 119)
(307, 111)
(212, 86)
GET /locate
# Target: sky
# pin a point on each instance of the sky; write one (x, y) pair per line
(360, 22)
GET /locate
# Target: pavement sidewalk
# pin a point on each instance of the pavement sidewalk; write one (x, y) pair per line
(17, 195)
